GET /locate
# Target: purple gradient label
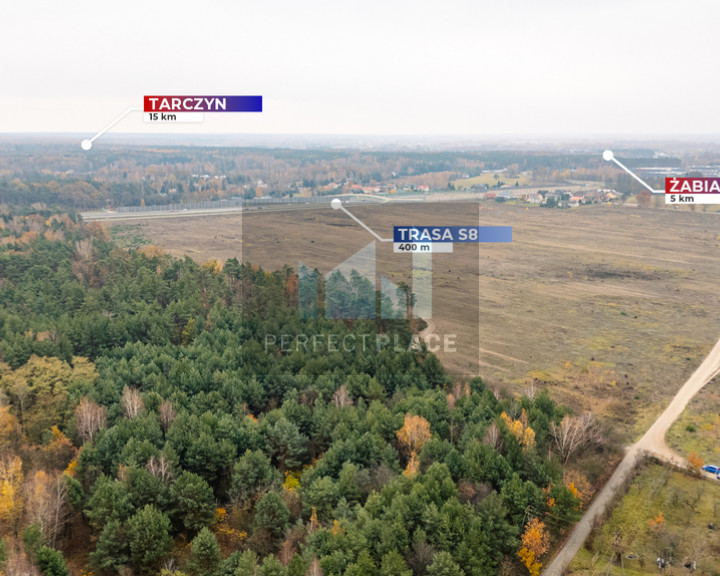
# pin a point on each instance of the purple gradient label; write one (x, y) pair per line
(203, 103)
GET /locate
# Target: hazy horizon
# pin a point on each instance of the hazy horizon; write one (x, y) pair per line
(669, 144)
(464, 68)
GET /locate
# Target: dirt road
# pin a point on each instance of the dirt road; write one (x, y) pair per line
(653, 441)
(429, 329)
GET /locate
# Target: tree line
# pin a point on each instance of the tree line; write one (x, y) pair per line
(147, 426)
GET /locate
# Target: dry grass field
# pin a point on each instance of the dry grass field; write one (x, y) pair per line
(610, 307)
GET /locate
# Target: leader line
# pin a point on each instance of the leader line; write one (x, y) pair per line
(87, 143)
(608, 156)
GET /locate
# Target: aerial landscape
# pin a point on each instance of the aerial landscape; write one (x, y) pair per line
(148, 389)
(360, 290)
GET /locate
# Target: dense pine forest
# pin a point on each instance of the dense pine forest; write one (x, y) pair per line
(148, 424)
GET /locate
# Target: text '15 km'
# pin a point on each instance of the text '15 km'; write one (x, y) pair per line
(174, 109)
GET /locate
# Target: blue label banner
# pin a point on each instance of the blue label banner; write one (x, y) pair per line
(472, 234)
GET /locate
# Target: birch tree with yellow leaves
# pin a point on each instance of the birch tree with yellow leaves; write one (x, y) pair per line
(11, 502)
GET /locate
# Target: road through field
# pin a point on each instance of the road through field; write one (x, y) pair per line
(653, 442)
(429, 329)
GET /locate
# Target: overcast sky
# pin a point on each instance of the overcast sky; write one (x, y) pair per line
(553, 67)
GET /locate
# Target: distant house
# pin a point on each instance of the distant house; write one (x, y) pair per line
(575, 201)
(559, 199)
(423, 188)
(490, 196)
(534, 198)
(552, 198)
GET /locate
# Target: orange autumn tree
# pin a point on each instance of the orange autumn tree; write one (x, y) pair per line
(59, 452)
(535, 542)
(695, 460)
(412, 436)
(578, 485)
(291, 288)
(520, 429)
(657, 522)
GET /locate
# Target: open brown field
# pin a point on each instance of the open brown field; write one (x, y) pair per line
(610, 307)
